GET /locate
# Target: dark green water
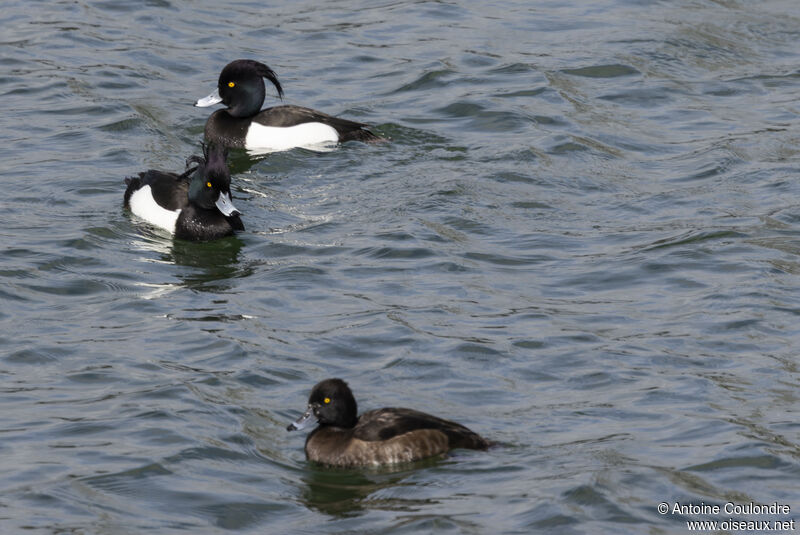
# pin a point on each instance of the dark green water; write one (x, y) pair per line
(583, 241)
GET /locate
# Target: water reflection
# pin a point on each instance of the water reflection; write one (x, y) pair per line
(346, 492)
(218, 262)
(214, 264)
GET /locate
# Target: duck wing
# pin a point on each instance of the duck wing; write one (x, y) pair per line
(288, 115)
(385, 424)
(168, 189)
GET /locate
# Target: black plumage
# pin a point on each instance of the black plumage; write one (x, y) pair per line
(241, 88)
(198, 193)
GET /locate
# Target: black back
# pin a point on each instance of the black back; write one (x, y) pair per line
(167, 188)
(293, 115)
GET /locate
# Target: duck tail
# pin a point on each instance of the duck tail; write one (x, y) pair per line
(132, 183)
(363, 135)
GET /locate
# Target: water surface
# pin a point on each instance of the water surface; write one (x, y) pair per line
(581, 241)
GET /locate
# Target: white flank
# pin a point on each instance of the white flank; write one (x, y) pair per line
(274, 138)
(145, 206)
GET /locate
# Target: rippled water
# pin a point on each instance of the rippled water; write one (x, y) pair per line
(582, 241)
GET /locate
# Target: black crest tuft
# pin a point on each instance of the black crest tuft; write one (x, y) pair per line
(269, 74)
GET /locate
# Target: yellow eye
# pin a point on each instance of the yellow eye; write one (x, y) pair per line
(231, 84)
(327, 400)
(208, 184)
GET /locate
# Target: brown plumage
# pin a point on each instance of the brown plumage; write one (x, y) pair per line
(377, 437)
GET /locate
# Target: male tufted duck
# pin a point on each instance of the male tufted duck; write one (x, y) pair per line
(377, 437)
(243, 124)
(195, 205)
